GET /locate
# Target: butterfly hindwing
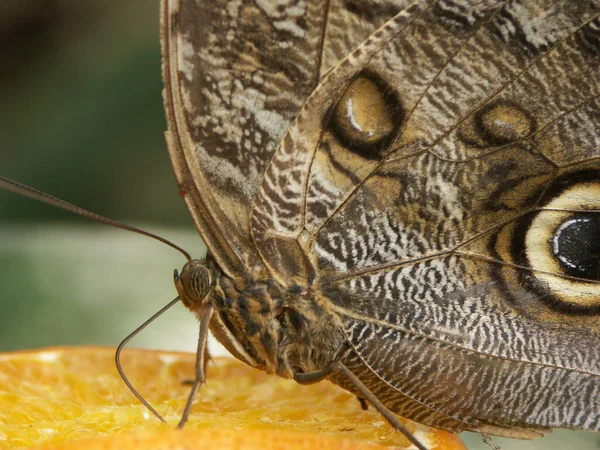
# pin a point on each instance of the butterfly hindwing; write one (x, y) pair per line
(412, 191)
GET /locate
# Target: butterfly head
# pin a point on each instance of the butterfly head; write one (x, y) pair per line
(194, 283)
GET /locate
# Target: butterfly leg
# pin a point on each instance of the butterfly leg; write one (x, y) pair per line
(201, 358)
(365, 395)
(363, 403)
(207, 359)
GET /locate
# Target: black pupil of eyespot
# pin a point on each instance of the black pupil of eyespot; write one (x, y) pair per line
(576, 244)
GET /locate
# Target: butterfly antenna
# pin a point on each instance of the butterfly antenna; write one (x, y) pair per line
(30, 192)
(124, 343)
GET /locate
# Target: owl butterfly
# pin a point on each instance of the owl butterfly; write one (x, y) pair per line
(402, 197)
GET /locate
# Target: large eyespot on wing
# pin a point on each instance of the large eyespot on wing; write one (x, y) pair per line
(561, 245)
(367, 116)
(568, 242)
(556, 248)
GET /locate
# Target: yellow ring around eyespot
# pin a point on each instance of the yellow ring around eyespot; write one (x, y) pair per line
(539, 251)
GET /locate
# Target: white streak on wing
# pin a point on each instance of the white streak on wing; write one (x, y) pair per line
(271, 9)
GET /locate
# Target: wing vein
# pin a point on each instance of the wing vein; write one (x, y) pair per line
(345, 312)
(321, 50)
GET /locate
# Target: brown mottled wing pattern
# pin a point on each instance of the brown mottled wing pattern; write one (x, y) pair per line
(426, 192)
(236, 75)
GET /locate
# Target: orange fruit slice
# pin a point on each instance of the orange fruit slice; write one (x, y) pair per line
(73, 398)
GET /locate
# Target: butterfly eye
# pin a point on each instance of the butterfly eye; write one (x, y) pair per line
(194, 283)
(497, 123)
(367, 116)
(560, 244)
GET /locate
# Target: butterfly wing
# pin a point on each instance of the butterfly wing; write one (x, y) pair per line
(424, 191)
(236, 76)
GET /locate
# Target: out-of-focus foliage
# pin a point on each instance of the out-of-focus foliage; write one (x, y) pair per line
(81, 113)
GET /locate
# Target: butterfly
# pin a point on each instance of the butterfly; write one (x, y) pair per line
(401, 197)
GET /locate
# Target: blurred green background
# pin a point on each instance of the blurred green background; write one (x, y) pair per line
(81, 118)
(81, 111)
